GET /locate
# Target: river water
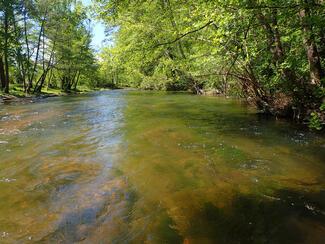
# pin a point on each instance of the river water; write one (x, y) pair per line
(144, 167)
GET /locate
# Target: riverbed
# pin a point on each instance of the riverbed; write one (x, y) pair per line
(153, 167)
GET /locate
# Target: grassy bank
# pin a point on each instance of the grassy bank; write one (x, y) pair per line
(16, 93)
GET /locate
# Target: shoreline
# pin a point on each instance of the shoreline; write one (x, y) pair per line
(6, 99)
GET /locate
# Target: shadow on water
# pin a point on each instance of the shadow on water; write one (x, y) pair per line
(287, 217)
(250, 219)
(69, 230)
(229, 118)
(222, 173)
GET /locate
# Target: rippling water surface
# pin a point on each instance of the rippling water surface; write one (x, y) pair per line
(134, 167)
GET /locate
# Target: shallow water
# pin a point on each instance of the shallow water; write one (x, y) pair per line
(134, 167)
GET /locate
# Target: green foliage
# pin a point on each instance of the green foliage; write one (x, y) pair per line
(261, 49)
(315, 121)
(46, 44)
(322, 107)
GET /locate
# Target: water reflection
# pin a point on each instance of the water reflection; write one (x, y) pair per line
(60, 162)
(127, 166)
(220, 173)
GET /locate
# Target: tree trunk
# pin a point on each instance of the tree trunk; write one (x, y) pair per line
(273, 35)
(77, 81)
(278, 50)
(2, 73)
(19, 57)
(41, 80)
(49, 79)
(315, 68)
(6, 50)
(30, 83)
(28, 52)
(174, 24)
(275, 44)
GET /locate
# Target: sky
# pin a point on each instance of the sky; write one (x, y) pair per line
(98, 30)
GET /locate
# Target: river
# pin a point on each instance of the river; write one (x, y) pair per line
(148, 167)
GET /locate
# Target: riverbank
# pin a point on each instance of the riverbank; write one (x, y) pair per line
(281, 108)
(17, 95)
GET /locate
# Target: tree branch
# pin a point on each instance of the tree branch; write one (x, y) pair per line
(183, 35)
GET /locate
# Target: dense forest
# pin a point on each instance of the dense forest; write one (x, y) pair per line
(271, 52)
(45, 44)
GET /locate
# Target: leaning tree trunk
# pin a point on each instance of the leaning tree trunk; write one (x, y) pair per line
(40, 82)
(30, 82)
(76, 81)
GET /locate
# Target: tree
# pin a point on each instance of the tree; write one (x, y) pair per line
(44, 37)
(269, 50)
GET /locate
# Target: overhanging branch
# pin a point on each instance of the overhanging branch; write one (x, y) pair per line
(183, 35)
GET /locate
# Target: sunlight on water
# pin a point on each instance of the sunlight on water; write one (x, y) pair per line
(129, 166)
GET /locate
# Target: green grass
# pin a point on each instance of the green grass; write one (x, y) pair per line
(54, 91)
(17, 90)
(83, 89)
